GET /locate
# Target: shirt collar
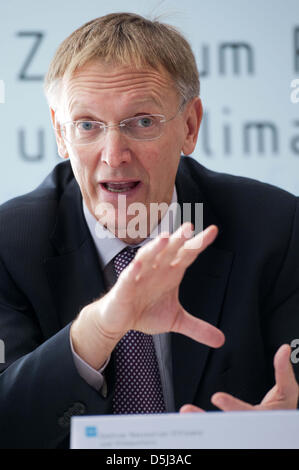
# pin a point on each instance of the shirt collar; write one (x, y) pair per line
(108, 246)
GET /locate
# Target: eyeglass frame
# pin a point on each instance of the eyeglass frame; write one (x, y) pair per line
(121, 124)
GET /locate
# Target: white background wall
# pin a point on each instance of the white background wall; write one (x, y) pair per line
(231, 100)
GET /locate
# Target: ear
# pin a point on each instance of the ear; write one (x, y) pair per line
(193, 119)
(62, 150)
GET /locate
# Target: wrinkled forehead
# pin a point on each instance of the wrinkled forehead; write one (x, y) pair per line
(96, 80)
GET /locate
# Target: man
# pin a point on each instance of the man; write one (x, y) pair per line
(75, 316)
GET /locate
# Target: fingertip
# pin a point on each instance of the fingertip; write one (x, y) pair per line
(218, 399)
(222, 340)
(190, 409)
(164, 236)
(219, 340)
(287, 347)
(213, 230)
(188, 230)
(283, 350)
(185, 409)
(211, 227)
(284, 373)
(283, 355)
(215, 395)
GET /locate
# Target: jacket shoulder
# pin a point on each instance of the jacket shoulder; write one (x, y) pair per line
(36, 209)
(50, 189)
(229, 193)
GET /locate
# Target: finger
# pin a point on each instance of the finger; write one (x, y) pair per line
(196, 245)
(284, 373)
(147, 253)
(227, 402)
(199, 330)
(162, 249)
(152, 248)
(202, 239)
(176, 241)
(191, 409)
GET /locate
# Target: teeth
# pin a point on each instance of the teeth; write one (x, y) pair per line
(116, 190)
(119, 187)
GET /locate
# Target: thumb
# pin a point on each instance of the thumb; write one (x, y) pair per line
(284, 374)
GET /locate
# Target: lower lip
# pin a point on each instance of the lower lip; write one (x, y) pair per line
(114, 195)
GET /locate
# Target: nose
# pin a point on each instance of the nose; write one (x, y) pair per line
(115, 150)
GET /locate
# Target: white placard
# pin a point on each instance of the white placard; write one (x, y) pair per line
(212, 430)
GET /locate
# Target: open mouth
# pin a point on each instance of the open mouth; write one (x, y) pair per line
(120, 187)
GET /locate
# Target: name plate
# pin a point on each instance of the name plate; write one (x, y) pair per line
(211, 430)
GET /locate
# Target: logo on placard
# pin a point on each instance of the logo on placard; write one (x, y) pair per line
(91, 431)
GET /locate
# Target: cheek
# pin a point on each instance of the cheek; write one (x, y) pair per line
(161, 166)
(169, 156)
(162, 153)
(82, 161)
(83, 169)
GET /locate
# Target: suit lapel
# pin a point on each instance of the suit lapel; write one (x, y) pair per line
(201, 293)
(74, 275)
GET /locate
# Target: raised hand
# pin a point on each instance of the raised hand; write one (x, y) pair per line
(284, 395)
(145, 298)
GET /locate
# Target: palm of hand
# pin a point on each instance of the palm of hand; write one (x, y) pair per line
(145, 297)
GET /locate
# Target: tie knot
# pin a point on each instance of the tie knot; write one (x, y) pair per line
(124, 258)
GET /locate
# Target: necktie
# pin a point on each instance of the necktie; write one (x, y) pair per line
(138, 385)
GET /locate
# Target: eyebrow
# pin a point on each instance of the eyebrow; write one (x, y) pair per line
(79, 108)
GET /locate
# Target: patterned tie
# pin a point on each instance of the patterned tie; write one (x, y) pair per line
(138, 385)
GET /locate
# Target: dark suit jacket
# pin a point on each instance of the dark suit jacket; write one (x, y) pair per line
(246, 283)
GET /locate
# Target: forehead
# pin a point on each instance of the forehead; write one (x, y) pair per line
(126, 84)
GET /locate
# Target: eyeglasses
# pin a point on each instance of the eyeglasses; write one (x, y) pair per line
(146, 127)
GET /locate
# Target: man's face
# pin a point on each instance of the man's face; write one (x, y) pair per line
(110, 94)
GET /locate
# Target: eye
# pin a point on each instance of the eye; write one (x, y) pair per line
(85, 125)
(145, 121)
